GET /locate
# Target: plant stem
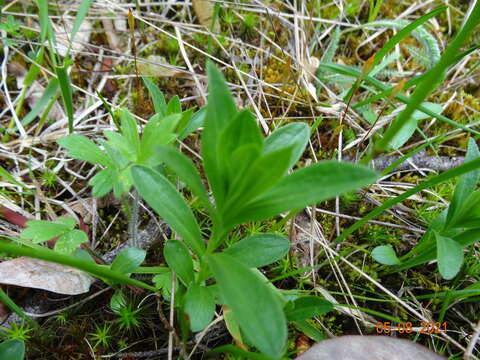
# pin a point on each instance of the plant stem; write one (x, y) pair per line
(132, 225)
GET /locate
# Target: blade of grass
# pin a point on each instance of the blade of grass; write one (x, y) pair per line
(65, 87)
(432, 80)
(349, 71)
(459, 170)
(48, 94)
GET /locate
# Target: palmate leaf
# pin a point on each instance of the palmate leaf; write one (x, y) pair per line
(160, 194)
(39, 230)
(321, 181)
(80, 147)
(261, 317)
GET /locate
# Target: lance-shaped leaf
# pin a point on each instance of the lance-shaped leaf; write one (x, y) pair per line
(220, 111)
(260, 317)
(179, 260)
(307, 186)
(467, 183)
(259, 250)
(294, 135)
(306, 307)
(160, 194)
(200, 307)
(157, 96)
(260, 176)
(185, 170)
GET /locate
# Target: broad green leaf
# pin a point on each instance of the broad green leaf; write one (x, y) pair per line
(185, 118)
(174, 106)
(240, 162)
(259, 250)
(39, 230)
(449, 256)
(195, 122)
(264, 173)
(157, 96)
(185, 170)
(68, 221)
(179, 260)
(255, 307)
(240, 354)
(67, 243)
(158, 131)
(242, 130)
(12, 350)
(321, 181)
(410, 125)
(164, 282)
(118, 301)
(200, 307)
(295, 135)
(160, 194)
(385, 255)
(467, 183)
(103, 182)
(79, 147)
(306, 307)
(311, 331)
(468, 213)
(220, 112)
(128, 260)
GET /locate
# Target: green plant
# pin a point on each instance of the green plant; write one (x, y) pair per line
(69, 238)
(16, 332)
(102, 336)
(11, 28)
(128, 318)
(12, 350)
(248, 177)
(453, 230)
(126, 147)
